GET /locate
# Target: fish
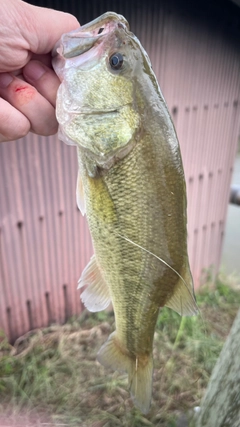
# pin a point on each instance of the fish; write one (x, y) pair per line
(131, 187)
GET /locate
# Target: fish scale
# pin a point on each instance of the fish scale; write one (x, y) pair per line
(131, 187)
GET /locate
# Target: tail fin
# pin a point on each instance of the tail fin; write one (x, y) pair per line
(139, 369)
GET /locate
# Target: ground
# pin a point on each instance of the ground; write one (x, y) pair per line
(50, 377)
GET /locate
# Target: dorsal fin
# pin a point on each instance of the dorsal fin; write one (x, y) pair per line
(183, 300)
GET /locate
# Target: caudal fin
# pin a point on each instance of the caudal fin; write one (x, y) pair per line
(139, 369)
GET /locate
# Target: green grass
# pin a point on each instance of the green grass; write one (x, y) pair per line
(54, 370)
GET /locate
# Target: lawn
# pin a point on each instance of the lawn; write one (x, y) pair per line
(54, 371)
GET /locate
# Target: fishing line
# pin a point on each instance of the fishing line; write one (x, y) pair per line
(162, 260)
(183, 320)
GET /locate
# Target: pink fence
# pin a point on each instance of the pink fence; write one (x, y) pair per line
(44, 241)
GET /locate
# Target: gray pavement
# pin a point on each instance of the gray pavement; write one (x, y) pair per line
(231, 246)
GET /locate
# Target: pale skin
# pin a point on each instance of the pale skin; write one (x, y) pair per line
(28, 84)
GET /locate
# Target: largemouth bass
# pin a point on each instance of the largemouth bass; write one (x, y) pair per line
(130, 185)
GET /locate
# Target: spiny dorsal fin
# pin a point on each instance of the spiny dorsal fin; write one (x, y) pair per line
(96, 296)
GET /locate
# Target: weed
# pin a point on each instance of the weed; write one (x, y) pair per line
(55, 369)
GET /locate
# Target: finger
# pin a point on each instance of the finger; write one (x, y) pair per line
(43, 79)
(13, 123)
(26, 99)
(54, 22)
(45, 58)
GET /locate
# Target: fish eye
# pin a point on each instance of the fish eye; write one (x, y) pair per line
(116, 61)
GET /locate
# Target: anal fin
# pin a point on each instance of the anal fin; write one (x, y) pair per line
(96, 296)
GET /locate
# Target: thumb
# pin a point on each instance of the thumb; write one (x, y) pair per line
(44, 27)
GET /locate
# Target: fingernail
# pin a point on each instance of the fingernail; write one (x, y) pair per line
(34, 71)
(5, 80)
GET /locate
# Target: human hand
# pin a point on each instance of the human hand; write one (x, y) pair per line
(28, 84)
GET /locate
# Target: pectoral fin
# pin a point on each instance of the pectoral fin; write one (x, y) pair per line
(96, 296)
(80, 195)
(183, 299)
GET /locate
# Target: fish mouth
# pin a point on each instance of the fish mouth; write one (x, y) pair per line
(84, 38)
(98, 112)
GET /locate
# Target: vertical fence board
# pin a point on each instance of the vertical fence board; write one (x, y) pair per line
(44, 240)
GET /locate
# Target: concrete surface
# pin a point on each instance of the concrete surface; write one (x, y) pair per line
(231, 246)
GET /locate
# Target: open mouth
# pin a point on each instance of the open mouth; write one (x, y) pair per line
(84, 38)
(92, 111)
(96, 112)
